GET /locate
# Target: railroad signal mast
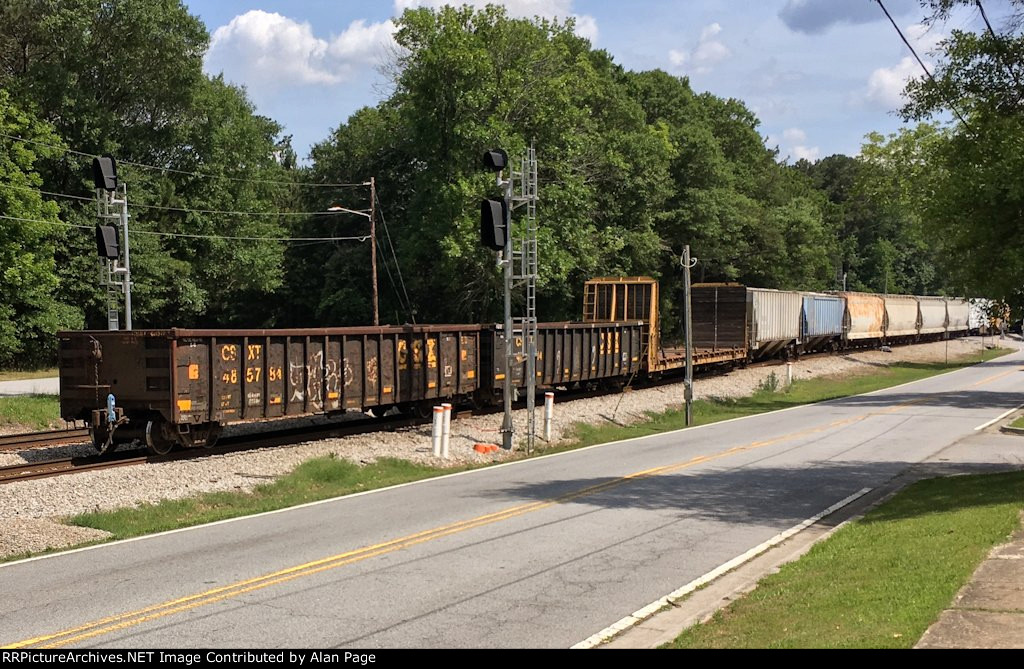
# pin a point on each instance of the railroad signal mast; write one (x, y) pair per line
(117, 278)
(520, 265)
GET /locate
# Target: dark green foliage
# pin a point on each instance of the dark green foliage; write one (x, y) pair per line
(29, 314)
(126, 78)
(632, 167)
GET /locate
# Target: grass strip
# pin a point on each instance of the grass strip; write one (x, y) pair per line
(320, 478)
(324, 478)
(770, 398)
(35, 412)
(20, 375)
(1019, 423)
(879, 582)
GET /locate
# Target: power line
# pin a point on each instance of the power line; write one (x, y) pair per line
(333, 211)
(37, 220)
(1007, 60)
(187, 172)
(359, 238)
(398, 266)
(919, 61)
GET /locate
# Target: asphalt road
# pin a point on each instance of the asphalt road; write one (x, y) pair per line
(542, 553)
(47, 386)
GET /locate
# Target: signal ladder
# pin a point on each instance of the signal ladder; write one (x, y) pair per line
(524, 330)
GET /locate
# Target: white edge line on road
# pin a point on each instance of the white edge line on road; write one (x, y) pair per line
(646, 612)
(998, 418)
(474, 471)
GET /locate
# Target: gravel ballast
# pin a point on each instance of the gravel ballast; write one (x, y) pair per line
(29, 509)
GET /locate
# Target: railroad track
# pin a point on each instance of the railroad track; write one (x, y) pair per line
(238, 443)
(26, 440)
(233, 444)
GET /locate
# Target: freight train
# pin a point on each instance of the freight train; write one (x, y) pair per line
(179, 387)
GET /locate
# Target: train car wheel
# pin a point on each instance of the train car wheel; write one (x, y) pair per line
(156, 441)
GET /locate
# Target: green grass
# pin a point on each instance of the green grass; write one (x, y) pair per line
(34, 412)
(1018, 423)
(326, 478)
(879, 582)
(321, 478)
(18, 375)
(801, 392)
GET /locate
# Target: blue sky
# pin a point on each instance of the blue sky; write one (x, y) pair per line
(820, 74)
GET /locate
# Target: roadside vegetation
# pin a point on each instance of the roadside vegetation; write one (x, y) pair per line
(879, 582)
(19, 375)
(772, 397)
(1019, 423)
(324, 478)
(320, 478)
(33, 412)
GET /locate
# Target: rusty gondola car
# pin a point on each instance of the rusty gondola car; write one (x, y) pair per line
(179, 387)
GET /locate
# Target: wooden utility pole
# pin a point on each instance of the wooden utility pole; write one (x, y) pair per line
(688, 383)
(373, 246)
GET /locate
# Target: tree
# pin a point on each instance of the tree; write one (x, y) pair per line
(29, 315)
(88, 67)
(971, 189)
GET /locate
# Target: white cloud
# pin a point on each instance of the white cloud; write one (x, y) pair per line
(267, 50)
(886, 84)
(794, 135)
(924, 38)
(806, 153)
(703, 57)
(586, 25)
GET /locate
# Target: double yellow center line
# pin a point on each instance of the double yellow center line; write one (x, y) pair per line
(125, 620)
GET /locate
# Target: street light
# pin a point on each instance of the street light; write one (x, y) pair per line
(336, 209)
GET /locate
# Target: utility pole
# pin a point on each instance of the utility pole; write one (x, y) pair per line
(688, 383)
(373, 247)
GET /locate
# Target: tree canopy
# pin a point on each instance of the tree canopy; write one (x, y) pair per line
(633, 166)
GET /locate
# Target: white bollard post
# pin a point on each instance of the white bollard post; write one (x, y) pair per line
(549, 410)
(446, 429)
(435, 433)
(789, 374)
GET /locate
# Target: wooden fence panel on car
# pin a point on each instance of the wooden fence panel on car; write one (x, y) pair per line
(387, 370)
(228, 357)
(334, 367)
(406, 384)
(433, 368)
(448, 363)
(353, 373)
(468, 356)
(193, 380)
(314, 375)
(296, 396)
(576, 368)
(276, 377)
(253, 378)
(371, 371)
